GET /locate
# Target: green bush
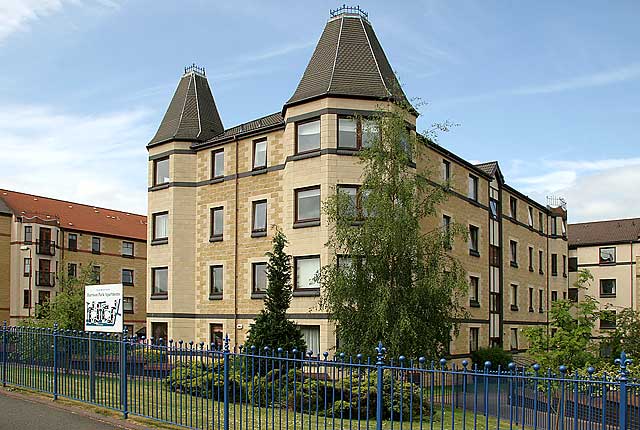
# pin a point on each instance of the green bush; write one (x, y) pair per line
(496, 355)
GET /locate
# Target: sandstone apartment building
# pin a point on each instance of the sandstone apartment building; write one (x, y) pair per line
(215, 193)
(42, 237)
(610, 250)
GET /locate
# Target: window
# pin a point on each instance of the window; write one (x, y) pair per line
(554, 226)
(308, 204)
(28, 234)
(127, 249)
(473, 240)
(513, 252)
(494, 256)
(260, 154)
(474, 291)
(541, 222)
(306, 269)
(347, 133)
(27, 267)
(530, 259)
(607, 319)
(530, 217)
(311, 335)
(554, 264)
(128, 328)
(573, 264)
(540, 300)
(370, 132)
(96, 274)
(159, 330)
(474, 335)
(513, 207)
(308, 136)
(514, 339)
(259, 283)
(216, 336)
(446, 171)
(73, 242)
(573, 294)
(514, 297)
(72, 270)
(44, 297)
(554, 296)
(127, 305)
(530, 299)
(540, 262)
(26, 299)
(127, 277)
(473, 188)
(217, 164)
(216, 281)
(95, 245)
(159, 282)
(564, 266)
(563, 224)
(160, 226)
(607, 287)
(161, 171)
(259, 223)
(493, 208)
(217, 223)
(446, 229)
(352, 193)
(608, 255)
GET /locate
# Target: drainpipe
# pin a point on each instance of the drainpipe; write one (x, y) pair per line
(633, 307)
(235, 251)
(548, 277)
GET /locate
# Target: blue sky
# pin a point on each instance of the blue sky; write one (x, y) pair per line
(548, 89)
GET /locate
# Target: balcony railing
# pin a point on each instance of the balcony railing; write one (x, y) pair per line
(46, 247)
(45, 279)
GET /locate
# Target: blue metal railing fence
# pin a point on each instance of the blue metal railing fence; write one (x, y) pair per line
(200, 386)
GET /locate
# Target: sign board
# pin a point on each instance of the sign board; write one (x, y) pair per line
(103, 308)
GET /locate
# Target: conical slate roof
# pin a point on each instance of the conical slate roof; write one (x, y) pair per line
(348, 62)
(192, 113)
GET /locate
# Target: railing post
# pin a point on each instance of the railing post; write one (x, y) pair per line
(4, 353)
(623, 362)
(380, 351)
(226, 382)
(55, 361)
(92, 370)
(123, 374)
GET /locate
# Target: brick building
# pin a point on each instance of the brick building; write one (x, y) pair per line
(215, 193)
(41, 237)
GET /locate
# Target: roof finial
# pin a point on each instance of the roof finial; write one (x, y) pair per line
(193, 68)
(349, 10)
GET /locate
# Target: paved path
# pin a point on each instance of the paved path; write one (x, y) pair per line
(20, 412)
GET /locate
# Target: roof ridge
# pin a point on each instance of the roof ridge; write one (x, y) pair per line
(2, 190)
(335, 57)
(375, 60)
(606, 220)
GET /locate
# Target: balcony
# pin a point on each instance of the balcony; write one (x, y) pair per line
(46, 247)
(45, 279)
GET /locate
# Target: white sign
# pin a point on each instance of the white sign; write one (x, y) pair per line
(103, 308)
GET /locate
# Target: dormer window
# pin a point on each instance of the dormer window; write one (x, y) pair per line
(308, 136)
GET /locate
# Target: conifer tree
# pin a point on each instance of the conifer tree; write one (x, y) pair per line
(271, 327)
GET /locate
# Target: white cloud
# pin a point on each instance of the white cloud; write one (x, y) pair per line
(93, 159)
(18, 15)
(594, 189)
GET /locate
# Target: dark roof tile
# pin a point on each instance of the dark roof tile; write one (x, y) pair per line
(603, 232)
(253, 126)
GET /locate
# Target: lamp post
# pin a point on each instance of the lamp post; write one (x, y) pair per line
(28, 248)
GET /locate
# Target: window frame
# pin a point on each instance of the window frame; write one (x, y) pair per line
(474, 340)
(531, 299)
(259, 232)
(154, 222)
(615, 287)
(514, 297)
(154, 293)
(26, 299)
(96, 270)
(572, 264)
(609, 323)
(303, 122)
(255, 293)
(540, 300)
(93, 242)
(156, 162)
(513, 331)
(513, 253)
(530, 216)
(75, 242)
(124, 300)
(28, 228)
(296, 288)
(554, 264)
(296, 193)
(216, 295)
(474, 240)
(473, 180)
(513, 207)
(540, 261)
(266, 154)
(474, 291)
(133, 249)
(75, 270)
(214, 154)
(213, 237)
(604, 262)
(446, 170)
(132, 282)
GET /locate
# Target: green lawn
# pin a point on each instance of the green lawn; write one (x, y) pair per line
(150, 398)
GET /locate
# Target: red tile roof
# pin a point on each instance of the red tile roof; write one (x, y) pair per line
(603, 232)
(75, 216)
